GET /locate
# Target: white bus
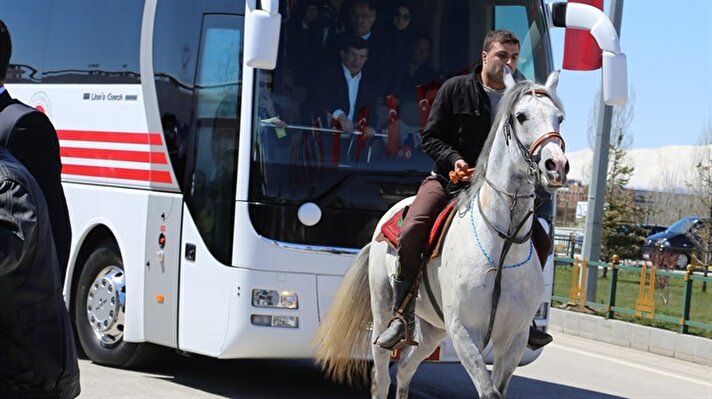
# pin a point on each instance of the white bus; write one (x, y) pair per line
(200, 222)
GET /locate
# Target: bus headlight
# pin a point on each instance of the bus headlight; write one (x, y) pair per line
(274, 320)
(263, 298)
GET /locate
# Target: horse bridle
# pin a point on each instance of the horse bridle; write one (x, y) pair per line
(531, 154)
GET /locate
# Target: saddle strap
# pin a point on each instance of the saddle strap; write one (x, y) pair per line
(429, 291)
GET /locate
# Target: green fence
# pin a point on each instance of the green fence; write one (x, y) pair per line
(645, 295)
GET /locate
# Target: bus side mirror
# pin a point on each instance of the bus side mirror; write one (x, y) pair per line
(262, 34)
(615, 78)
(593, 20)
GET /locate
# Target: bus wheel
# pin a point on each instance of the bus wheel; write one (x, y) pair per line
(99, 309)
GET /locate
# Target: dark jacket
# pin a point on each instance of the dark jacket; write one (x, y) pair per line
(38, 358)
(331, 92)
(33, 141)
(458, 124)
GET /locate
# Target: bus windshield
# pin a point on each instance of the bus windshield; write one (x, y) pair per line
(301, 148)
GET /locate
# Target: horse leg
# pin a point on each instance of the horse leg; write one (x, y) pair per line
(430, 337)
(467, 348)
(506, 359)
(380, 377)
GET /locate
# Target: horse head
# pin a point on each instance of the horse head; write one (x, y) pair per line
(534, 118)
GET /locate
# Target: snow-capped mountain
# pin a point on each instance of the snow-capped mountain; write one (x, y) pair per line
(668, 169)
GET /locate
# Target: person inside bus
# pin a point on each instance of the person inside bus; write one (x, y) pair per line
(362, 16)
(454, 135)
(400, 33)
(273, 137)
(413, 71)
(317, 22)
(38, 357)
(30, 137)
(346, 93)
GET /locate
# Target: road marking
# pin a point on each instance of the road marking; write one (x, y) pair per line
(635, 365)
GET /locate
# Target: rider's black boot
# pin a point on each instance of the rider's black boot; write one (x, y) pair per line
(538, 338)
(401, 329)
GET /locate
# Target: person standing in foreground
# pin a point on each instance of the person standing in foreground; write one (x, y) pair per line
(30, 137)
(38, 358)
(455, 132)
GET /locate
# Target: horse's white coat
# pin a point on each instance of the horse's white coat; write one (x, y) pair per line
(462, 278)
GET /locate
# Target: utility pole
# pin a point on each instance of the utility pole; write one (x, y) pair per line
(597, 190)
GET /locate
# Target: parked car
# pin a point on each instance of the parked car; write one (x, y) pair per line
(675, 243)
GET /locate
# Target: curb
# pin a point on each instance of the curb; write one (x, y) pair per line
(662, 342)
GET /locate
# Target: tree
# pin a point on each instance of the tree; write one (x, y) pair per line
(702, 234)
(620, 232)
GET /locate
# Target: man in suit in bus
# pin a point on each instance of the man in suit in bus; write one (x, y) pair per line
(30, 137)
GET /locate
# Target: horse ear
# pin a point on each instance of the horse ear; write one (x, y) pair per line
(552, 81)
(508, 79)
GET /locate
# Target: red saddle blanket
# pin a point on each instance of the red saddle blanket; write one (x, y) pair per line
(391, 229)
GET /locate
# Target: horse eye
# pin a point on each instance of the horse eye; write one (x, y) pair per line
(521, 117)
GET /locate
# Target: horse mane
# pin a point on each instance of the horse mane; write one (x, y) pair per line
(505, 109)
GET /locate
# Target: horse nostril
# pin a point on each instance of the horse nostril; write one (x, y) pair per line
(566, 168)
(550, 165)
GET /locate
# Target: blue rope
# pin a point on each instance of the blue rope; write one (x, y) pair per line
(490, 261)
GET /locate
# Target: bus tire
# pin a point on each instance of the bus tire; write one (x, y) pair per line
(99, 310)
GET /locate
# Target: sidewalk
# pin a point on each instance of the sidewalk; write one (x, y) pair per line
(663, 342)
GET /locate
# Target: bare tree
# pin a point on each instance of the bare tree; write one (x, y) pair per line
(702, 234)
(619, 234)
(620, 122)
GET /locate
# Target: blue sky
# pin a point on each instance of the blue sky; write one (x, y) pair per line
(669, 49)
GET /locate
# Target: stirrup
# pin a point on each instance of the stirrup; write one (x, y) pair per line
(405, 341)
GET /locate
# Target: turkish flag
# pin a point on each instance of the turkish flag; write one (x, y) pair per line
(393, 125)
(581, 52)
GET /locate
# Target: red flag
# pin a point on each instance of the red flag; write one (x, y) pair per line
(393, 125)
(426, 94)
(361, 125)
(335, 142)
(581, 52)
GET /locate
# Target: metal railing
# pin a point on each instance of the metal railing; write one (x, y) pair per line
(650, 280)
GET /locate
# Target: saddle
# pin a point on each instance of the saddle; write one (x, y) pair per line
(390, 230)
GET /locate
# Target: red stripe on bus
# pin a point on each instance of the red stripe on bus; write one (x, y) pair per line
(154, 176)
(111, 137)
(114, 155)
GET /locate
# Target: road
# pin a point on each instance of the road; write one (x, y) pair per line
(571, 367)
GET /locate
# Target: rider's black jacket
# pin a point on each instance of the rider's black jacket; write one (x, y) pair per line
(459, 122)
(38, 358)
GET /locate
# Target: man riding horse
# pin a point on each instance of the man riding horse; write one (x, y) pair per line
(455, 132)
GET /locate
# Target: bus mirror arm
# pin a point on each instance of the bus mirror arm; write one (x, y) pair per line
(593, 20)
(262, 26)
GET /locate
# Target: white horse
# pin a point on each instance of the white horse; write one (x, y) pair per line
(523, 150)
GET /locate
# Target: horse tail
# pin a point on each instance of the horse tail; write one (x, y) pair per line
(343, 340)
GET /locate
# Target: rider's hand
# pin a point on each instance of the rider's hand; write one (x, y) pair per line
(463, 169)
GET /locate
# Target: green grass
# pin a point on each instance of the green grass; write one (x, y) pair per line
(627, 293)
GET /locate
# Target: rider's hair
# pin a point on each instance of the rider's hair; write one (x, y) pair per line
(499, 36)
(5, 50)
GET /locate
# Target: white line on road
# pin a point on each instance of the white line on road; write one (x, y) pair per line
(634, 365)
